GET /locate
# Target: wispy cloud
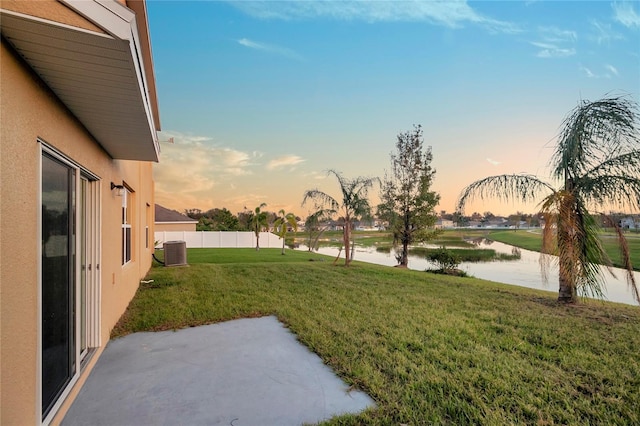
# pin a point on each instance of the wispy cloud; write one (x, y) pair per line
(603, 34)
(548, 50)
(269, 48)
(612, 69)
(555, 42)
(557, 35)
(625, 13)
(493, 162)
(609, 71)
(452, 13)
(588, 72)
(284, 161)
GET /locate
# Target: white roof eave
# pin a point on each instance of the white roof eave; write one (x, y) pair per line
(99, 77)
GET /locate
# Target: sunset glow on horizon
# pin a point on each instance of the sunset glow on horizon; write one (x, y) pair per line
(262, 98)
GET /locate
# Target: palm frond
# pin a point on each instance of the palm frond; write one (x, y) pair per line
(319, 215)
(345, 184)
(616, 181)
(610, 190)
(626, 163)
(594, 132)
(321, 197)
(591, 254)
(512, 187)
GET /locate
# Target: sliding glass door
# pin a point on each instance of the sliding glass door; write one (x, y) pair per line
(70, 276)
(58, 279)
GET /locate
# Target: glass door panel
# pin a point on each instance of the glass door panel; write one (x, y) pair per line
(58, 330)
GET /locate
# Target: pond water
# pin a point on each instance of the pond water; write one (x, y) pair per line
(524, 272)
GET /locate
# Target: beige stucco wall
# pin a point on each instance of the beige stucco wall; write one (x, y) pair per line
(51, 10)
(28, 111)
(160, 226)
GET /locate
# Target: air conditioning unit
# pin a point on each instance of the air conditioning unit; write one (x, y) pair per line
(175, 253)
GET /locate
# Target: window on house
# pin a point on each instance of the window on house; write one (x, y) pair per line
(127, 207)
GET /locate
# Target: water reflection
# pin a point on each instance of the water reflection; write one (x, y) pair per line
(524, 272)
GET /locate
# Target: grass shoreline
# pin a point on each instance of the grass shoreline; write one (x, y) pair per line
(427, 348)
(533, 241)
(459, 239)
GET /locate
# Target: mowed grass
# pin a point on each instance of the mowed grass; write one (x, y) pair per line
(429, 349)
(533, 241)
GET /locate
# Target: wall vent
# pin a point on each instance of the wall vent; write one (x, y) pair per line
(175, 253)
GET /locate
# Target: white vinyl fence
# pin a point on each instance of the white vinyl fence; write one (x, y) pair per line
(218, 239)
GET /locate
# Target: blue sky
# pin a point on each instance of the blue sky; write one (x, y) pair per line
(262, 98)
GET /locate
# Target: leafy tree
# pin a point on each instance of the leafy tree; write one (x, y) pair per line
(407, 202)
(222, 220)
(459, 219)
(447, 216)
(514, 220)
(271, 218)
(282, 223)
(597, 161)
(258, 221)
(204, 224)
(214, 219)
(194, 213)
(244, 219)
(354, 204)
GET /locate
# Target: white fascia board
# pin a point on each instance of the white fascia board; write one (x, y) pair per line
(111, 16)
(142, 82)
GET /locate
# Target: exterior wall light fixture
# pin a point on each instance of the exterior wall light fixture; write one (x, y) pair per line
(119, 189)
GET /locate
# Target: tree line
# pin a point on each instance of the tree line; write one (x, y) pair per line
(596, 163)
(221, 219)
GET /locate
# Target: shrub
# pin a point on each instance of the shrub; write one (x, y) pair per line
(444, 259)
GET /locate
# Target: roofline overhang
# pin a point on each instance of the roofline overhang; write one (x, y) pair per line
(123, 124)
(123, 28)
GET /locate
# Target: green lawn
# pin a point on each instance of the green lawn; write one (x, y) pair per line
(533, 241)
(429, 349)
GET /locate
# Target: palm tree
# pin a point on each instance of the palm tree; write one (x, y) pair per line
(353, 206)
(257, 222)
(313, 224)
(282, 224)
(597, 161)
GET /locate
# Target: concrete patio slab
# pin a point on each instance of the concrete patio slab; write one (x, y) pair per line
(243, 372)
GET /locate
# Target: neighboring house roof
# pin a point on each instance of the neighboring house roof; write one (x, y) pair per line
(105, 78)
(165, 215)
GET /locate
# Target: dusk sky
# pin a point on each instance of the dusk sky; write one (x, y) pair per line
(262, 98)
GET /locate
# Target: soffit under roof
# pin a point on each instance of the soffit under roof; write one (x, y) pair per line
(97, 76)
